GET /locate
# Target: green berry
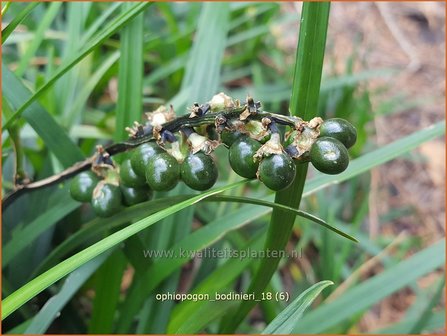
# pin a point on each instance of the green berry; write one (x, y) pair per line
(340, 129)
(162, 172)
(228, 137)
(211, 132)
(132, 196)
(106, 200)
(241, 155)
(198, 171)
(329, 156)
(141, 156)
(266, 138)
(82, 186)
(128, 176)
(277, 171)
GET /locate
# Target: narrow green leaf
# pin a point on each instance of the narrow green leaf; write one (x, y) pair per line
(288, 318)
(23, 238)
(65, 93)
(206, 313)
(5, 7)
(309, 60)
(35, 286)
(247, 35)
(299, 213)
(107, 293)
(96, 41)
(424, 318)
(166, 70)
(97, 227)
(353, 79)
(130, 75)
(20, 329)
(304, 102)
(100, 21)
(231, 222)
(359, 299)
(38, 37)
(51, 310)
(435, 323)
(89, 131)
(17, 20)
(215, 282)
(162, 268)
(202, 73)
(133, 248)
(281, 91)
(40, 120)
(159, 270)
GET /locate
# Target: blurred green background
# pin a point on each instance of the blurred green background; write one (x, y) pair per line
(384, 72)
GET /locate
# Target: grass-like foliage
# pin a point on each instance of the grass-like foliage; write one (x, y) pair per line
(75, 75)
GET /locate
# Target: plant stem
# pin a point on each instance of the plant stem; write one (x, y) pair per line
(14, 133)
(305, 95)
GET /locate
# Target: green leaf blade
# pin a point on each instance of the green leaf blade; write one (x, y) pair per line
(288, 318)
(6, 32)
(96, 41)
(130, 76)
(49, 312)
(37, 285)
(54, 136)
(359, 298)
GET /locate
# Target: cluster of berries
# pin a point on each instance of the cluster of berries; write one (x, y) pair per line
(256, 149)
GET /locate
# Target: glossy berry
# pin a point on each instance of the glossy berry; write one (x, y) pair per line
(241, 154)
(340, 129)
(141, 156)
(265, 138)
(277, 171)
(162, 172)
(212, 133)
(82, 186)
(106, 200)
(329, 155)
(198, 171)
(132, 196)
(228, 137)
(128, 176)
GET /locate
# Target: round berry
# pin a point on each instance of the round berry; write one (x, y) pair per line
(277, 171)
(128, 176)
(141, 156)
(162, 172)
(329, 156)
(82, 186)
(106, 200)
(241, 155)
(340, 129)
(198, 171)
(132, 196)
(229, 136)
